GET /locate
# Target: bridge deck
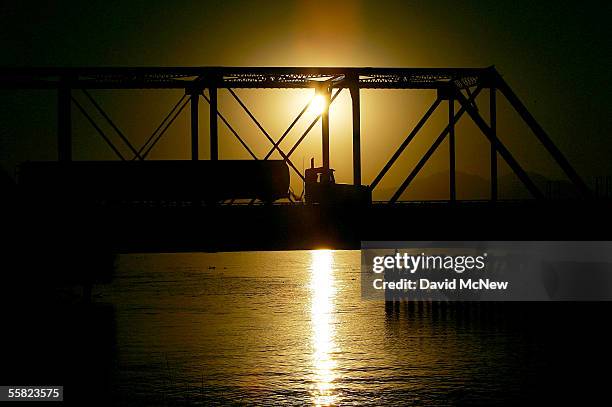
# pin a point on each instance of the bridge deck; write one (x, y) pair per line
(286, 227)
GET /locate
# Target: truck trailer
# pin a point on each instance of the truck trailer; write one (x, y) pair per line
(155, 180)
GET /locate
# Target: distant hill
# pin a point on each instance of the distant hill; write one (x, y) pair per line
(471, 186)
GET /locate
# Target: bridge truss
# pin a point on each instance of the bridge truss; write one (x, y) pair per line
(453, 85)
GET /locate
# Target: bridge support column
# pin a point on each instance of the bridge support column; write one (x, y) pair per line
(64, 124)
(214, 128)
(356, 132)
(493, 123)
(325, 127)
(195, 147)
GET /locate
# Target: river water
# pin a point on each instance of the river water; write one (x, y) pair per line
(290, 328)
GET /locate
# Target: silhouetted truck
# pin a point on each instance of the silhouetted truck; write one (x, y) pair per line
(156, 180)
(321, 188)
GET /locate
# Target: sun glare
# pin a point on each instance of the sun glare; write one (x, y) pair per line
(318, 104)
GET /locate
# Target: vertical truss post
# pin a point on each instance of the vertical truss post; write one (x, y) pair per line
(503, 151)
(493, 122)
(356, 107)
(214, 128)
(195, 97)
(437, 142)
(64, 123)
(325, 91)
(451, 148)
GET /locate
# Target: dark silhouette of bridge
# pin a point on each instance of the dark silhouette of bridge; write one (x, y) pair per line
(453, 85)
(296, 225)
(49, 243)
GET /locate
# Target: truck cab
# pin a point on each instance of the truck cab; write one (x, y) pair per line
(321, 188)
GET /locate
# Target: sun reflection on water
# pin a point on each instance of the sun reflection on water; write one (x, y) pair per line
(322, 289)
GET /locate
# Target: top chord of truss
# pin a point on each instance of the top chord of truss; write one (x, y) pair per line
(240, 77)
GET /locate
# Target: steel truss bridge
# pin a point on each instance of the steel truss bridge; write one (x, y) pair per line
(456, 87)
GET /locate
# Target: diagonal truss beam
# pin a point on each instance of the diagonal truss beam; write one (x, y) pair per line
(113, 125)
(97, 128)
(163, 131)
(265, 133)
(231, 129)
(171, 117)
(501, 149)
(297, 118)
(161, 125)
(143, 151)
(312, 124)
(158, 133)
(432, 149)
(405, 143)
(542, 136)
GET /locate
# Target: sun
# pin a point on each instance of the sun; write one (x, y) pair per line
(318, 104)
